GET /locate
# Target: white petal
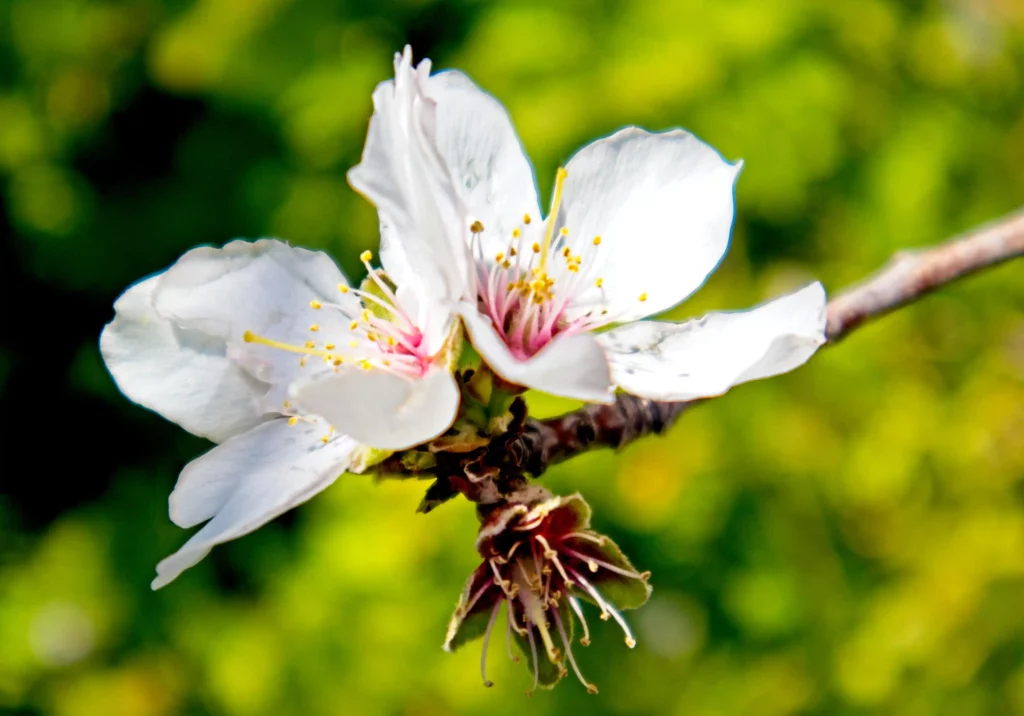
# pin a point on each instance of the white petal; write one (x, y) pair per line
(183, 374)
(402, 173)
(572, 366)
(486, 160)
(707, 356)
(248, 481)
(249, 286)
(382, 409)
(663, 207)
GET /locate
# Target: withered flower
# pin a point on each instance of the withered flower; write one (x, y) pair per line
(541, 558)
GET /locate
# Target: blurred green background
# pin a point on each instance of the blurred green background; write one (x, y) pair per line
(848, 539)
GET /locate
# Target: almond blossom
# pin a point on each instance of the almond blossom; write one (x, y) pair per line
(637, 222)
(266, 349)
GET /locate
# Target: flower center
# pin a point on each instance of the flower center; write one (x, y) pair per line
(366, 329)
(527, 290)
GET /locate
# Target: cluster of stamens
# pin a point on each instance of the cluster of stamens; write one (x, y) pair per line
(539, 570)
(364, 329)
(527, 288)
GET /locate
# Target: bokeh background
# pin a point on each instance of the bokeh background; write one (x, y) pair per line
(848, 539)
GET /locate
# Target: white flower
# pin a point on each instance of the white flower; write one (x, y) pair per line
(637, 222)
(265, 349)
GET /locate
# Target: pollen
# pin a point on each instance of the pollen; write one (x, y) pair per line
(325, 439)
(343, 288)
(293, 420)
(315, 327)
(477, 227)
(353, 325)
(338, 361)
(499, 258)
(315, 305)
(366, 256)
(536, 247)
(310, 344)
(643, 297)
(512, 251)
(597, 241)
(599, 282)
(329, 346)
(563, 231)
(526, 219)
(566, 252)
(392, 341)
(515, 233)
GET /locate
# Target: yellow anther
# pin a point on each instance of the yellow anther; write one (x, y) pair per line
(286, 404)
(315, 327)
(371, 336)
(329, 346)
(392, 341)
(338, 361)
(643, 297)
(366, 256)
(563, 231)
(386, 362)
(293, 420)
(353, 325)
(506, 264)
(325, 439)
(578, 259)
(476, 227)
(515, 233)
(512, 251)
(599, 282)
(353, 344)
(566, 252)
(302, 362)
(536, 247)
(597, 241)
(499, 258)
(365, 364)
(573, 268)
(310, 344)
(315, 305)
(343, 288)
(526, 219)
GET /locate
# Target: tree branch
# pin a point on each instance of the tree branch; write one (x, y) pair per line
(909, 276)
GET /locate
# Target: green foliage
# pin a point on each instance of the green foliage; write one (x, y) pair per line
(846, 539)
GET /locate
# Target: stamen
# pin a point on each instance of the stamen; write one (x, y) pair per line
(476, 227)
(591, 689)
(575, 604)
(315, 305)
(508, 635)
(593, 564)
(526, 219)
(606, 608)
(487, 638)
(597, 241)
(643, 297)
(556, 202)
(343, 288)
(250, 337)
(314, 328)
